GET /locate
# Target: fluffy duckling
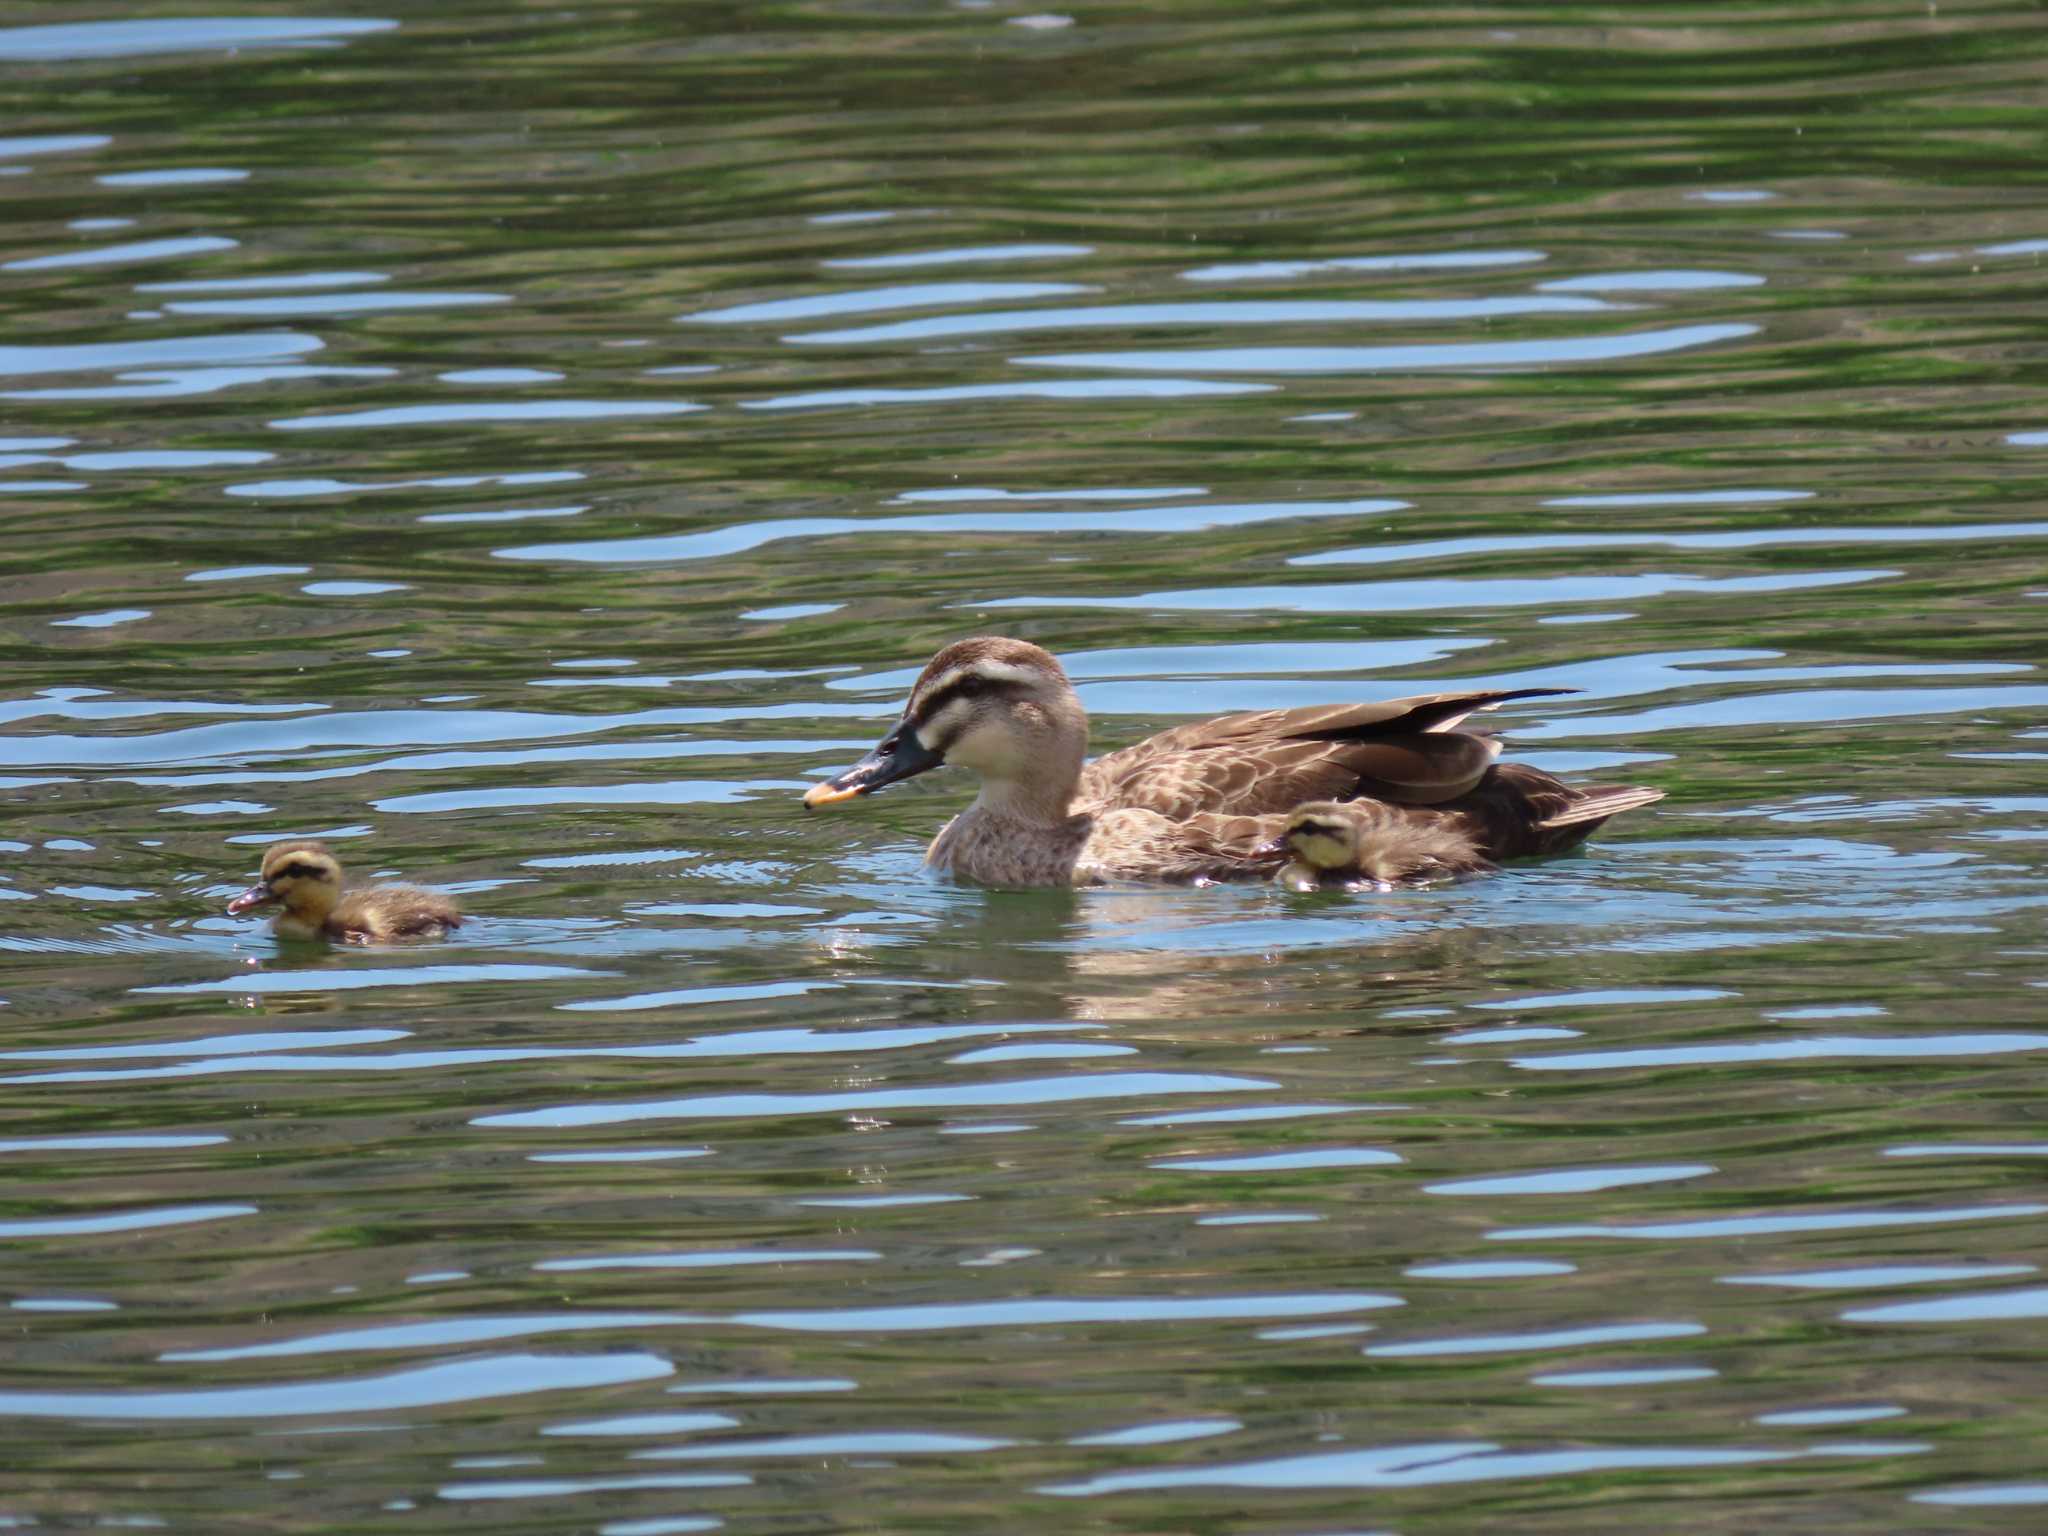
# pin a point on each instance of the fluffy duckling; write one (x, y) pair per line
(306, 877)
(1361, 845)
(1205, 801)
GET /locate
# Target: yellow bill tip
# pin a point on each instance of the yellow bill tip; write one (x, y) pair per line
(828, 794)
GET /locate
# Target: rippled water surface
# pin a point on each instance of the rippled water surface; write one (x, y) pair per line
(527, 447)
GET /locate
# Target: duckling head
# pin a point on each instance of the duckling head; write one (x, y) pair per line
(1322, 835)
(1001, 707)
(301, 874)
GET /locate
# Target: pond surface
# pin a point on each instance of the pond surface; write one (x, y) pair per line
(527, 447)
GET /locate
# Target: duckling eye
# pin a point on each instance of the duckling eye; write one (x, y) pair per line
(295, 872)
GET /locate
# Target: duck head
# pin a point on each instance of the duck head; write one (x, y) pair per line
(1003, 708)
(301, 874)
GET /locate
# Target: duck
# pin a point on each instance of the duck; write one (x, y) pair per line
(305, 876)
(1363, 845)
(1204, 802)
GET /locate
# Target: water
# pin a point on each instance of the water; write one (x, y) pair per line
(527, 448)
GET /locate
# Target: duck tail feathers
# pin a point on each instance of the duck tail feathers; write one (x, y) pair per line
(1449, 711)
(1600, 801)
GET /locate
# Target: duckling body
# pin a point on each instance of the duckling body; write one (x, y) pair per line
(1362, 845)
(305, 877)
(1200, 802)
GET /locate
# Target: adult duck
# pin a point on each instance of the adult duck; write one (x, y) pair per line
(1201, 802)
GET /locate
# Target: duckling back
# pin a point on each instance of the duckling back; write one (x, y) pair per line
(383, 913)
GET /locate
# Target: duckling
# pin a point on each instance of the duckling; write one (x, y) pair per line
(1199, 802)
(306, 877)
(1362, 845)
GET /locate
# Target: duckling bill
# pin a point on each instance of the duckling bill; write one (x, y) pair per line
(1207, 801)
(304, 877)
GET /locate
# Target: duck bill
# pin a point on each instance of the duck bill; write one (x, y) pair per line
(256, 896)
(899, 756)
(1271, 848)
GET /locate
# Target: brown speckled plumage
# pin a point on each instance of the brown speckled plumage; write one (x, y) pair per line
(1206, 801)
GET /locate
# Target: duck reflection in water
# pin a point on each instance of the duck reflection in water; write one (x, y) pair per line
(304, 877)
(1209, 801)
(1207, 969)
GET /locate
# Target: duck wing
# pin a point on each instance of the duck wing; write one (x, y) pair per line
(1408, 751)
(1128, 844)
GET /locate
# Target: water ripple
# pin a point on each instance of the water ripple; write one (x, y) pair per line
(1165, 1432)
(1569, 1181)
(229, 1055)
(1649, 1376)
(1073, 1089)
(1810, 1048)
(959, 254)
(1745, 538)
(121, 1221)
(1986, 1495)
(1059, 1311)
(1422, 261)
(173, 176)
(1454, 594)
(107, 1143)
(457, 1381)
(1765, 1226)
(215, 1045)
(1803, 1418)
(1556, 352)
(383, 301)
(1976, 1307)
(854, 1443)
(1419, 1466)
(1555, 1338)
(115, 255)
(713, 543)
(397, 976)
(49, 143)
(1663, 280)
(710, 1258)
(441, 1332)
(1283, 1162)
(464, 411)
(564, 1487)
(645, 1424)
(865, 301)
(1048, 389)
(1874, 1276)
(1228, 312)
(109, 356)
(263, 282)
(214, 34)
